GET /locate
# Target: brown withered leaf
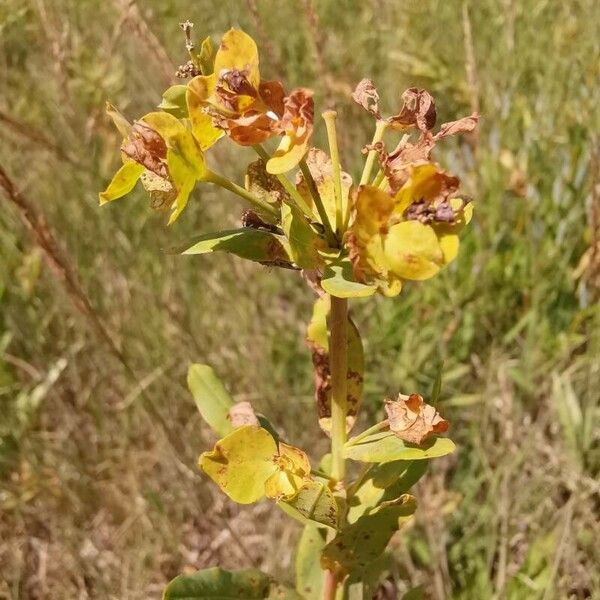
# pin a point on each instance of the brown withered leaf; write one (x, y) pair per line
(146, 147)
(464, 125)
(366, 95)
(262, 184)
(418, 110)
(241, 414)
(299, 113)
(412, 420)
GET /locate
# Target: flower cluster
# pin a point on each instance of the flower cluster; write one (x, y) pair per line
(399, 224)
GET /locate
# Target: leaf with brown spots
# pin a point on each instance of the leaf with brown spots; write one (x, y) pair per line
(412, 420)
(318, 341)
(357, 545)
(146, 147)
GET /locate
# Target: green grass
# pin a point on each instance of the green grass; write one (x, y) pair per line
(94, 503)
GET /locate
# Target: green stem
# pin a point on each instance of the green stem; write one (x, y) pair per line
(378, 178)
(338, 367)
(260, 204)
(289, 187)
(316, 198)
(329, 117)
(379, 131)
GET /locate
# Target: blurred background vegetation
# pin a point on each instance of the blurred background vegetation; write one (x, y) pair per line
(99, 495)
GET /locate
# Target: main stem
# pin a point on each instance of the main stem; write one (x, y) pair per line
(338, 366)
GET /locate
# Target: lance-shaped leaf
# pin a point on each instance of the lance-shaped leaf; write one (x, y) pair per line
(314, 503)
(384, 483)
(173, 101)
(309, 575)
(219, 584)
(252, 244)
(385, 446)
(318, 340)
(248, 464)
(339, 280)
(357, 545)
(211, 397)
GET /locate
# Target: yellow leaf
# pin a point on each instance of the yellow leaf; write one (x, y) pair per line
(241, 463)
(412, 251)
(238, 51)
(287, 156)
(293, 469)
(199, 90)
(123, 182)
(121, 123)
(165, 124)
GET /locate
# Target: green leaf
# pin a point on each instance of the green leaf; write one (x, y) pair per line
(251, 244)
(317, 336)
(338, 280)
(357, 545)
(304, 242)
(315, 502)
(362, 585)
(384, 446)
(219, 584)
(173, 101)
(241, 463)
(211, 397)
(383, 483)
(123, 181)
(309, 575)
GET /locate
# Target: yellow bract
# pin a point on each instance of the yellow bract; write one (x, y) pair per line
(248, 464)
(238, 51)
(388, 245)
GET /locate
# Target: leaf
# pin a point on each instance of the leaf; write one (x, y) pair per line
(338, 280)
(173, 101)
(384, 446)
(219, 584)
(384, 482)
(262, 184)
(315, 502)
(304, 242)
(241, 463)
(211, 397)
(252, 244)
(357, 545)
(123, 182)
(318, 341)
(199, 90)
(366, 95)
(309, 575)
(238, 51)
(413, 251)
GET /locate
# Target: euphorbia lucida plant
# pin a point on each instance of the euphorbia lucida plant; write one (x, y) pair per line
(399, 223)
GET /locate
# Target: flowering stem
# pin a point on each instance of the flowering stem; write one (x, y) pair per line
(329, 117)
(379, 131)
(287, 184)
(378, 178)
(316, 197)
(260, 204)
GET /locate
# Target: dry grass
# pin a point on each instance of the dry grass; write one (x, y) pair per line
(98, 499)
